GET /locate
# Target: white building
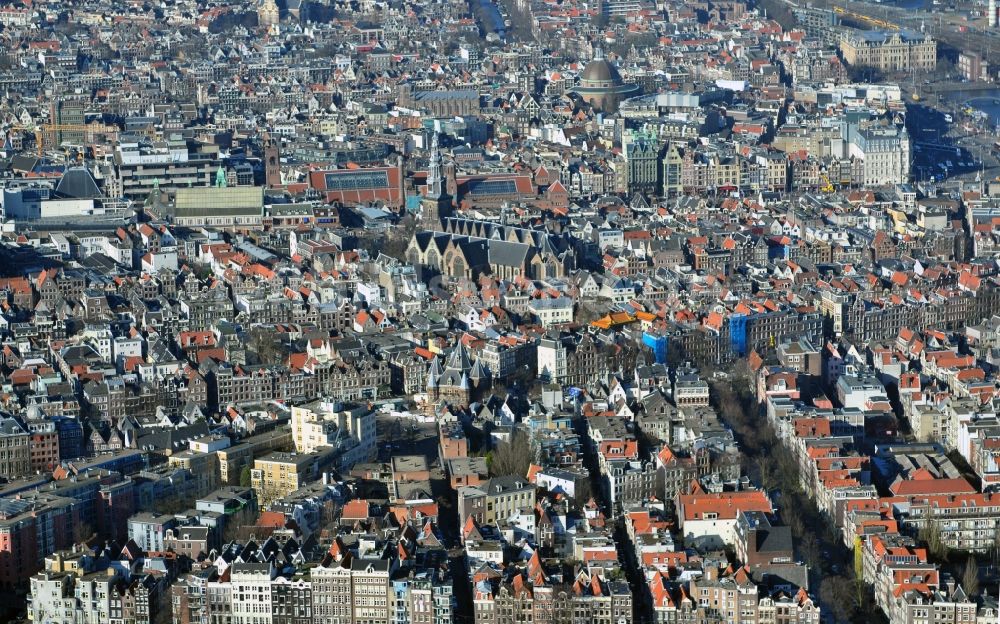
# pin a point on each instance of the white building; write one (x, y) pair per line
(552, 311)
(251, 593)
(99, 337)
(885, 152)
(856, 390)
(370, 293)
(127, 346)
(488, 551)
(155, 261)
(148, 530)
(551, 359)
(67, 592)
(690, 390)
(322, 424)
(710, 519)
(558, 480)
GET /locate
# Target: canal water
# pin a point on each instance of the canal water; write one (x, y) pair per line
(490, 15)
(987, 101)
(909, 5)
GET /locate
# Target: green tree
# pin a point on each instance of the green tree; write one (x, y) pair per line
(202, 271)
(170, 505)
(245, 479)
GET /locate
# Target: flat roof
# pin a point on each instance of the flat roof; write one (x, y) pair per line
(409, 463)
(227, 201)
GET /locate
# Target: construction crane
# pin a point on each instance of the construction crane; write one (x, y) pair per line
(874, 21)
(827, 185)
(50, 130)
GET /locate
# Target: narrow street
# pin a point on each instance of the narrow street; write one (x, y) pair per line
(641, 608)
(817, 541)
(397, 436)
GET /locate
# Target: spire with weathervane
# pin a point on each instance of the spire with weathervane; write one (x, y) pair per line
(434, 188)
(436, 203)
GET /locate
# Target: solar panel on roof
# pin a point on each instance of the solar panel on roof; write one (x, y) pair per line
(12, 507)
(492, 187)
(355, 180)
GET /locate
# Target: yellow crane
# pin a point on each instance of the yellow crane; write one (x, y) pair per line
(47, 132)
(827, 185)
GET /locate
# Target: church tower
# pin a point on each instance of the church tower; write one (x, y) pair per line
(272, 162)
(268, 14)
(436, 203)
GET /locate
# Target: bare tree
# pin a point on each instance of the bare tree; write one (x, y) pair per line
(809, 549)
(583, 491)
(398, 238)
(513, 457)
(267, 493)
(262, 342)
(970, 576)
(83, 532)
(410, 433)
(996, 548)
(931, 535)
(586, 313)
(230, 532)
(741, 371)
(660, 486)
(164, 608)
(765, 469)
(327, 514)
(444, 502)
(792, 516)
(837, 595)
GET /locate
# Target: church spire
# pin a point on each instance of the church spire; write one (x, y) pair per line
(434, 184)
(268, 13)
(436, 204)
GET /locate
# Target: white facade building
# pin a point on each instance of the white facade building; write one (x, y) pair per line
(551, 357)
(552, 311)
(886, 155)
(322, 424)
